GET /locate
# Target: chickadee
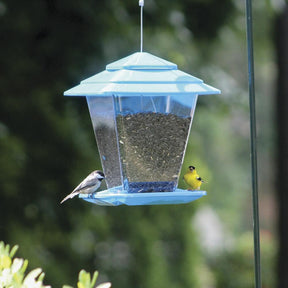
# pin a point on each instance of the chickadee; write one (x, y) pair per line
(193, 179)
(89, 185)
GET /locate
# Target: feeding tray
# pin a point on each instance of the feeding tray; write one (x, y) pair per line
(118, 197)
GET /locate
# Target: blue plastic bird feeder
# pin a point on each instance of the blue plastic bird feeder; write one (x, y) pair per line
(141, 109)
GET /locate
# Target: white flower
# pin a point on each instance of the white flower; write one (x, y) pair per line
(5, 277)
(16, 265)
(30, 280)
(104, 285)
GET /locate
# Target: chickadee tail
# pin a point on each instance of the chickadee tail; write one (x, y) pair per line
(71, 195)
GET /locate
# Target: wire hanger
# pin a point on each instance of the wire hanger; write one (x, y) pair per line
(141, 4)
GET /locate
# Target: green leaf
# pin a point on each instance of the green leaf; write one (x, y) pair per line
(95, 276)
(41, 277)
(13, 251)
(18, 278)
(84, 279)
(6, 249)
(5, 261)
(24, 266)
(80, 285)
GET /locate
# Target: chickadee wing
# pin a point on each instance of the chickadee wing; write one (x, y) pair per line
(89, 181)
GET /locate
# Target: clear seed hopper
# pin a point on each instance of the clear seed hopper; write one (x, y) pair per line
(141, 109)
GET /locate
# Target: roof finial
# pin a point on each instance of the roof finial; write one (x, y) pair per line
(141, 4)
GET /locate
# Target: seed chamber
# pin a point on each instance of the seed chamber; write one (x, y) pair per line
(152, 135)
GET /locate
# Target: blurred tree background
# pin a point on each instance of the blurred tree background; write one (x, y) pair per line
(47, 144)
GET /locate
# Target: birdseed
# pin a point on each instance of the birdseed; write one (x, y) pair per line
(151, 148)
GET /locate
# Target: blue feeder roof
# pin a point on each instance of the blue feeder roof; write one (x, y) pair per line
(141, 74)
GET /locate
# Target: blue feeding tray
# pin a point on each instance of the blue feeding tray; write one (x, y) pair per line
(142, 109)
(117, 197)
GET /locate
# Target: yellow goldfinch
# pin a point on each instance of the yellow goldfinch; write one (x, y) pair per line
(192, 179)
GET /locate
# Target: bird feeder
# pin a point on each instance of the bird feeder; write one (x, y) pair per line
(141, 109)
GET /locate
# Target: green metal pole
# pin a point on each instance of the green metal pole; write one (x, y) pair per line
(249, 26)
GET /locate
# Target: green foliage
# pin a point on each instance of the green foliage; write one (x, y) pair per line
(85, 281)
(13, 273)
(235, 267)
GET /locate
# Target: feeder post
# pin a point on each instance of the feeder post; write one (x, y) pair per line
(253, 134)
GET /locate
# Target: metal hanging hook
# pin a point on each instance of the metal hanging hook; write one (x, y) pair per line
(141, 4)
